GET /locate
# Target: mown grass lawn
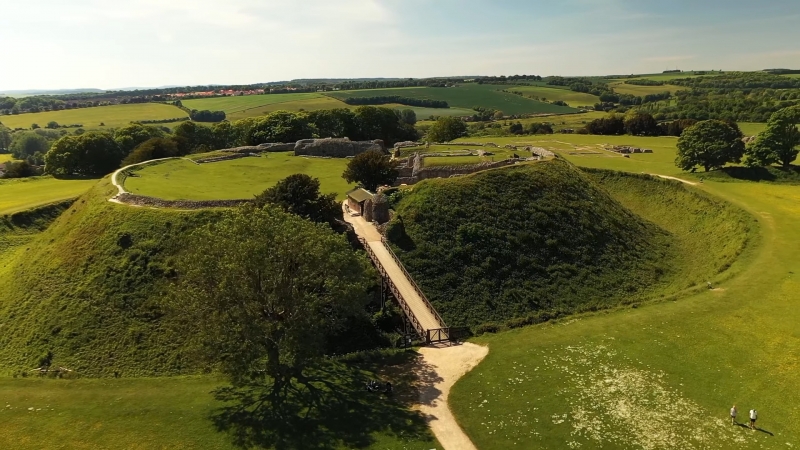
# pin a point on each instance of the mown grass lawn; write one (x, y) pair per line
(665, 374)
(236, 179)
(90, 118)
(5, 157)
(26, 193)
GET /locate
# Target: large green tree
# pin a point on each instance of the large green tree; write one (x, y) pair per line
(779, 142)
(133, 135)
(279, 126)
(154, 148)
(87, 154)
(371, 169)
(28, 143)
(446, 129)
(265, 289)
(710, 144)
(299, 194)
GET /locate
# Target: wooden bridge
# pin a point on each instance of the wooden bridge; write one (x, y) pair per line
(427, 323)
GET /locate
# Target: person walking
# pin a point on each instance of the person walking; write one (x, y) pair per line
(753, 418)
(733, 415)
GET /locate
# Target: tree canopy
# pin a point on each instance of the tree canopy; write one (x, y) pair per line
(268, 288)
(299, 194)
(446, 129)
(710, 144)
(154, 148)
(87, 154)
(27, 143)
(131, 136)
(779, 142)
(371, 169)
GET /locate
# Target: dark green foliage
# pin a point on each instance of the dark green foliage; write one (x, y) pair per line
(779, 142)
(447, 129)
(207, 116)
(507, 243)
(193, 138)
(370, 170)
(710, 144)
(133, 135)
(408, 116)
(28, 143)
(87, 154)
(155, 148)
(641, 124)
(539, 128)
(612, 125)
(389, 99)
(20, 169)
(335, 123)
(299, 194)
(645, 82)
(675, 127)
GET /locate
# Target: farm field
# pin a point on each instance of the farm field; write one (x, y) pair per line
(632, 89)
(236, 179)
(572, 98)
(309, 104)
(5, 157)
(243, 103)
(665, 374)
(466, 96)
(91, 118)
(668, 76)
(26, 193)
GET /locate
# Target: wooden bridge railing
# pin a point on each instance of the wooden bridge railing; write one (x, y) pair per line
(414, 284)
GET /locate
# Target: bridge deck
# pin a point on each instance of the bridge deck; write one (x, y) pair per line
(394, 272)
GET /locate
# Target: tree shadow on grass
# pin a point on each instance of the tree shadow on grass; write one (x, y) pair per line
(758, 174)
(331, 409)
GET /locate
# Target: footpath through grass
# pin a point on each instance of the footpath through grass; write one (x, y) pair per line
(235, 179)
(91, 118)
(27, 193)
(662, 375)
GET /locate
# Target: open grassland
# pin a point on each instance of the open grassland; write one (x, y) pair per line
(668, 76)
(466, 96)
(183, 413)
(245, 102)
(27, 193)
(665, 374)
(236, 179)
(751, 128)
(309, 104)
(641, 91)
(552, 94)
(5, 157)
(91, 118)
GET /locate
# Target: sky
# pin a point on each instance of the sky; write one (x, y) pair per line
(58, 44)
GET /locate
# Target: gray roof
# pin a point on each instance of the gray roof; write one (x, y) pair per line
(359, 194)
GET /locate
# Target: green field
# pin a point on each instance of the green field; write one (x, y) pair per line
(632, 89)
(91, 118)
(552, 94)
(5, 157)
(466, 96)
(236, 179)
(752, 129)
(668, 76)
(243, 103)
(662, 375)
(27, 193)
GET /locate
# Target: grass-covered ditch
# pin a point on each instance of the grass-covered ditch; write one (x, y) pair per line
(512, 247)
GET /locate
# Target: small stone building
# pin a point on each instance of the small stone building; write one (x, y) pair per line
(357, 199)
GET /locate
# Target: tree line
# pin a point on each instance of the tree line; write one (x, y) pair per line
(98, 153)
(388, 99)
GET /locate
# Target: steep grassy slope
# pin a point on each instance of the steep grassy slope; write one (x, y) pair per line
(85, 295)
(509, 243)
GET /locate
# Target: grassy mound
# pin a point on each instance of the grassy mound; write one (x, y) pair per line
(521, 242)
(86, 293)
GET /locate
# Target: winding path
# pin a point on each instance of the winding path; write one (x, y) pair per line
(443, 364)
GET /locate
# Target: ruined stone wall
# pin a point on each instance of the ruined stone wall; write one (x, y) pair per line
(336, 148)
(142, 200)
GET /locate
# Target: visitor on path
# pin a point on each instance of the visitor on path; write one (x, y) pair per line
(753, 418)
(733, 415)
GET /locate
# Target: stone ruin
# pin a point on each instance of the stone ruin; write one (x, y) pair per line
(336, 148)
(627, 150)
(412, 170)
(376, 209)
(268, 147)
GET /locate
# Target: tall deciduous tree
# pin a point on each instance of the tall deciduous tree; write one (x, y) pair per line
(446, 129)
(28, 143)
(133, 135)
(266, 288)
(87, 154)
(371, 169)
(710, 144)
(299, 194)
(779, 142)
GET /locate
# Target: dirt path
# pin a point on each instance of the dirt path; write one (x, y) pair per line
(674, 178)
(446, 365)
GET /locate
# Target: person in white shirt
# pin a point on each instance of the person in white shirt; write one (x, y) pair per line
(733, 415)
(753, 418)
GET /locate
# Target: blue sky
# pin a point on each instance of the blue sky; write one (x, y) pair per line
(49, 44)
